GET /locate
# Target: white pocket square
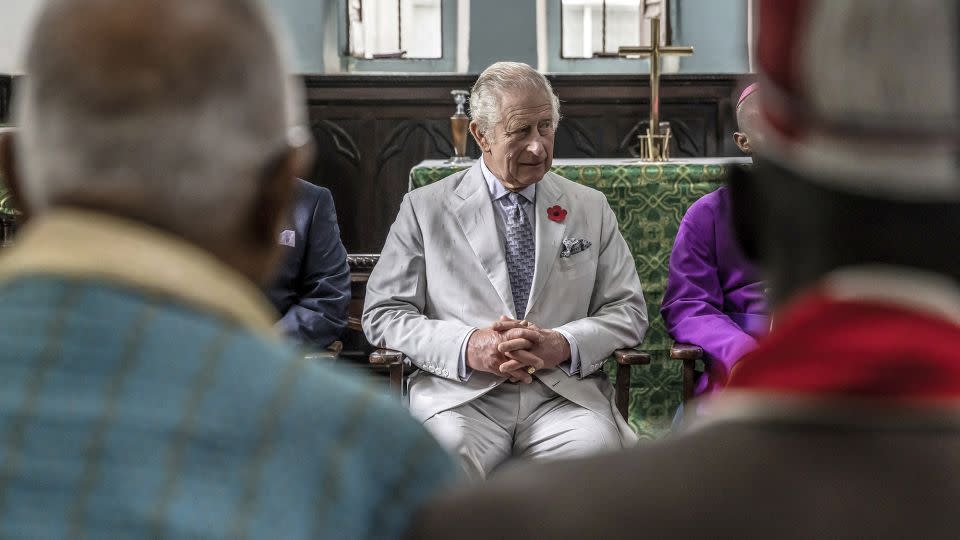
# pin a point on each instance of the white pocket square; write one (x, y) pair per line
(572, 246)
(288, 238)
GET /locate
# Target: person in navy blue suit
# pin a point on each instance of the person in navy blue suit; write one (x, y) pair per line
(312, 287)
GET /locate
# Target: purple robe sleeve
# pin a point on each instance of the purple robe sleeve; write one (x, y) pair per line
(693, 301)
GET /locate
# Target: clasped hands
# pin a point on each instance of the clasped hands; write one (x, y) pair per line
(509, 348)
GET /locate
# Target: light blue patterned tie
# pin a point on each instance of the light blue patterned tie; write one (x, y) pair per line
(521, 250)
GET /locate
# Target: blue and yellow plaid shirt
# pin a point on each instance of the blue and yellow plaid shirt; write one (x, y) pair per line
(142, 394)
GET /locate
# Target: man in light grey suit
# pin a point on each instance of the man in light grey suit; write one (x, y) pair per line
(508, 286)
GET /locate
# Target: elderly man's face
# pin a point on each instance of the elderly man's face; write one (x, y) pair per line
(519, 149)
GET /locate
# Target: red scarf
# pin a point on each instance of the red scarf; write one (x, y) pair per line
(855, 348)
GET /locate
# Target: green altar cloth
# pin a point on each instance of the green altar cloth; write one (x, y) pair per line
(649, 200)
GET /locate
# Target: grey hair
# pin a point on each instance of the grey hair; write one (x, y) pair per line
(495, 81)
(181, 125)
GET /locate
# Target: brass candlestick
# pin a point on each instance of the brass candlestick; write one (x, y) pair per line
(655, 145)
(459, 128)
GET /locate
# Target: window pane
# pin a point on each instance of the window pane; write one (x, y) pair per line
(422, 35)
(380, 25)
(582, 27)
(355, 29)
(597, 32)
(623, 26)
(376, 27)
(572, 31)
(627, 23)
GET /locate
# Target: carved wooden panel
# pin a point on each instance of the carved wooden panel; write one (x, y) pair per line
(372, 129)
(6, 89)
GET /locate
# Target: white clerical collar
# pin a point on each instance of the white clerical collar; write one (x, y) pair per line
(496, 187)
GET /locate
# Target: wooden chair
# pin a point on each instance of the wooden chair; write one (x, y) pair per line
(626, 358)
(7, 226)
(688, 354)
(331, 353)
(357, 351)
(399, 367)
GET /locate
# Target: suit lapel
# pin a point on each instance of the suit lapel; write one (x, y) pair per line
(474, 214)
(549, 235)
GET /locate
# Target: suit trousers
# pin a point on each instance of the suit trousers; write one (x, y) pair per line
(515, 420)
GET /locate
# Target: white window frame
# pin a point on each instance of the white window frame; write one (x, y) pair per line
(454, 18)
(550, 46)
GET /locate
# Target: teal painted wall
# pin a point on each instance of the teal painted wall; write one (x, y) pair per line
(502, 30)
(717, 29)
(305, 21)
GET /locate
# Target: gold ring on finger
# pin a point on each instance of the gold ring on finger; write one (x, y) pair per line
(531, 370)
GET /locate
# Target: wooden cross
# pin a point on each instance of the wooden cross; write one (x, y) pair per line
(655, 51)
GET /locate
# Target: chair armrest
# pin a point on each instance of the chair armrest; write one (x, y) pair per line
(332, 352)
(353, 323)
(631, 357)
(386, 357)
(397, 364)
(685, 351)
(626, 358)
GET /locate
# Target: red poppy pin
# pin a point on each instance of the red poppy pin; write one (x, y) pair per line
(556, 213)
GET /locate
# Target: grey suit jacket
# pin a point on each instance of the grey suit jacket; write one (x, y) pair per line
(443, 272)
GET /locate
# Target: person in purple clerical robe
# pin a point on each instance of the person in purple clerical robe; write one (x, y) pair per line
(714, 297)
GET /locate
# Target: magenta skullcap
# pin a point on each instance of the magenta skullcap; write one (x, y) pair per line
(746, 93)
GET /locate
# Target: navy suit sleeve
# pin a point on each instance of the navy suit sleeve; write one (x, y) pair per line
(320, 314)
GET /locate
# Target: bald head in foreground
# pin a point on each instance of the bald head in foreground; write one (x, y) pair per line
(143, 392)
(844, 422)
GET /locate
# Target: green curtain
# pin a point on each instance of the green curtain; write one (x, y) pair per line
(649, 201)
